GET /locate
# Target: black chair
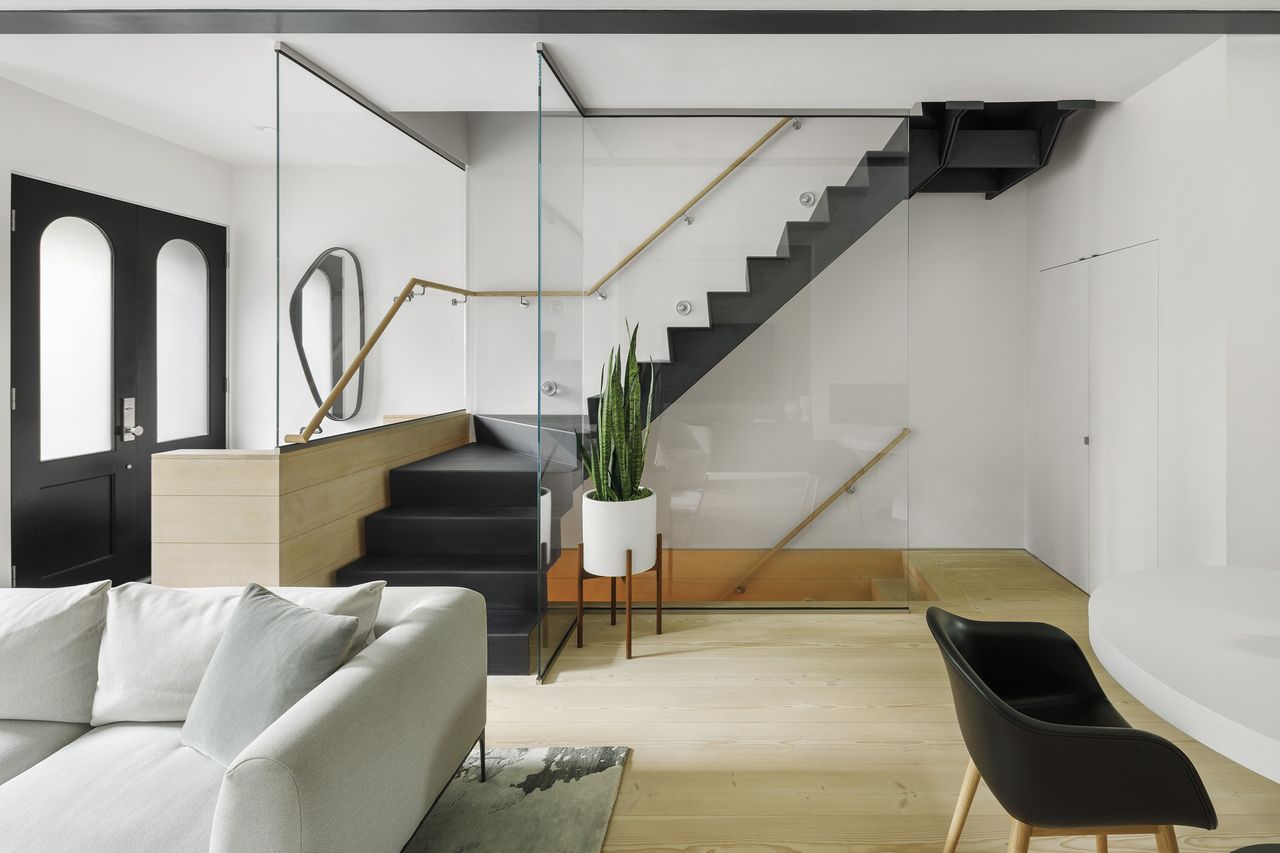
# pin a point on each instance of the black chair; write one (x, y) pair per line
(1055, 753)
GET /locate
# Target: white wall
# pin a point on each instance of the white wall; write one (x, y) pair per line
(1178, 163)
(400, 221)
(1252, 286)
(1186, 161)
(52, 141)
(968, 356)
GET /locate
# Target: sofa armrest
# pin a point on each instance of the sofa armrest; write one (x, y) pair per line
(356, 763)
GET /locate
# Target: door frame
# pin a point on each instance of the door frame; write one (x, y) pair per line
(133, 232)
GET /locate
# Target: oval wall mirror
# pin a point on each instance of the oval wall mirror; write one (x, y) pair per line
(326, 314)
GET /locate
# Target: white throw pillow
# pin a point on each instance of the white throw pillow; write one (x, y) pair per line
(271, 655)
(159, 641)
(49, 651)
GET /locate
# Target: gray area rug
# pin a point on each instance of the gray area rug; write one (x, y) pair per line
(556, 799)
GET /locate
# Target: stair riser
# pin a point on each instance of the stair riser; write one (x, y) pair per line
(464, 488)
(391, 536)
(512, 654)
(501, 590)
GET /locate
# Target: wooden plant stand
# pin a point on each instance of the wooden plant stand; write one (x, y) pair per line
(628, 579)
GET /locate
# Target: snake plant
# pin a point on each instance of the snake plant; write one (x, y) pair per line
(614, 456)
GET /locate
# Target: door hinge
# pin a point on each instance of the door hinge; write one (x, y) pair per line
(226, 385)
(226, 256)
(13, 399)
(13, 576)
(13, 219)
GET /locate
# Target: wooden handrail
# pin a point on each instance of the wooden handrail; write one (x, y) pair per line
(405, 295)
(414, 283)
(644, 244)
(741, 586)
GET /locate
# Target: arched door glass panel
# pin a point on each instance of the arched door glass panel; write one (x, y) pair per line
(182, 341)
(76, 416)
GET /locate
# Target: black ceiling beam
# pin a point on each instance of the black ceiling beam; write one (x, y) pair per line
(635, 21)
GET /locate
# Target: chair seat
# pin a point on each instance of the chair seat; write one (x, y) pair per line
(1072, 711)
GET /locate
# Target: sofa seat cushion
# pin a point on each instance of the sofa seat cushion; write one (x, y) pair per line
(123, 788)
(25, 743)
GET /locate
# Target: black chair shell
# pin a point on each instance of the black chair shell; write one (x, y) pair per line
(1048, 743)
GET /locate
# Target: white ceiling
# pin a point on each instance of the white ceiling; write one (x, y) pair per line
(211, 92)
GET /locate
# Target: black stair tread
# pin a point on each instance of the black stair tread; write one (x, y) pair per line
(446, 563)
(517, 622)
(499, 511)
(559, 423)
(475, 457)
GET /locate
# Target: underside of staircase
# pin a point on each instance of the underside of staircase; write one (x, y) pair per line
(469, 517)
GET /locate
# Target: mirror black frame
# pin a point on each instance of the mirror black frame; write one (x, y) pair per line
(337, 284)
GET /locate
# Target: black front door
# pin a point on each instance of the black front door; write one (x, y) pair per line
(118, 352)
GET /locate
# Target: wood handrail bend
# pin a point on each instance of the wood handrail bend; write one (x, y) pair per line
(415, 283)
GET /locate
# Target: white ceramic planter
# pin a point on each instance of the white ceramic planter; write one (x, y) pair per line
(609, 528)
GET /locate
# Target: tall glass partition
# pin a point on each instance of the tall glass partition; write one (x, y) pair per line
(560, 394)
(773, 316)
(362, 210)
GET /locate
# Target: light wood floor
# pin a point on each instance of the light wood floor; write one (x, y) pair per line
(788, 732)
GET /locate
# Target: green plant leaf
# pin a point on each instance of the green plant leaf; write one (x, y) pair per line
(615, 458)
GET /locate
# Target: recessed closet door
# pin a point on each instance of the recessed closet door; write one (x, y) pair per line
(1123, 344)
(1058, 395)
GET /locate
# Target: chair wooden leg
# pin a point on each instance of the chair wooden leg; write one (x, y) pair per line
(582, 571)
(613, 601)
(967, 789)
(658, 580)
(1100, 841)
(630, 586)
(1019, 837)
(1166, 839)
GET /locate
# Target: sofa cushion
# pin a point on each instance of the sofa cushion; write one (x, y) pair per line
(25, 743)
(158, 642)
(123, 788)
(49, 651)
(271, 655)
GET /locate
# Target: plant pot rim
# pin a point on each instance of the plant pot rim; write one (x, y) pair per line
(589, 496)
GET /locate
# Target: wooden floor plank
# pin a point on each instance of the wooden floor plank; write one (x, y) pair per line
(821, 732)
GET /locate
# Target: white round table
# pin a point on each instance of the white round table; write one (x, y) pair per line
(1202, 649)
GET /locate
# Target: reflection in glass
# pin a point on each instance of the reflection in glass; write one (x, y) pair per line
(75, 340)
(182, 342)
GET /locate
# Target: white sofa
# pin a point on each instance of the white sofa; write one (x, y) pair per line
(351, 767)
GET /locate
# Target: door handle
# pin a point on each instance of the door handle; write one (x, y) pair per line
(129, 429)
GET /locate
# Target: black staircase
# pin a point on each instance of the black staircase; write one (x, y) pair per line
(951, 147)
(468, 517)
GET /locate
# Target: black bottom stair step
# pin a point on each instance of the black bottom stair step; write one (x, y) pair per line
(506, 582)
(513, 636)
